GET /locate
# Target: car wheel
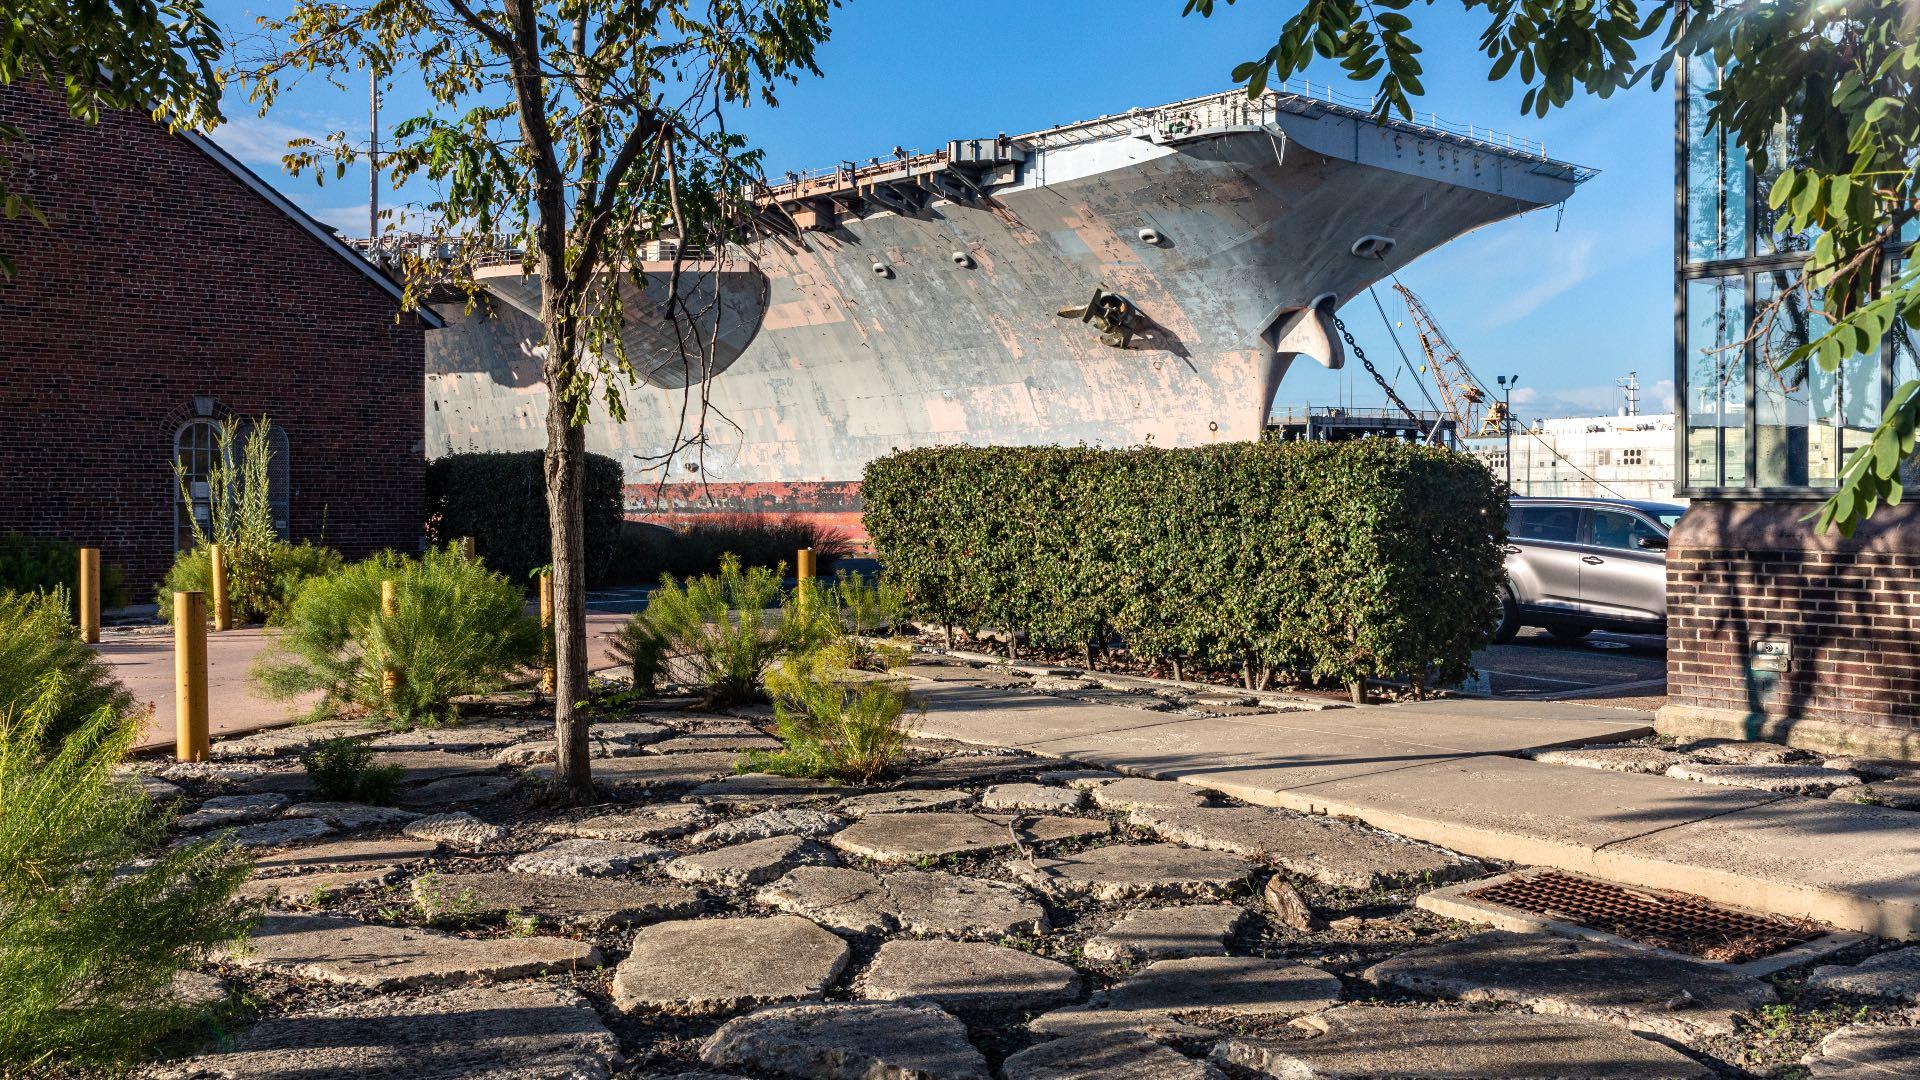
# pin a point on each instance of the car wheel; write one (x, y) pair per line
(1569, 634)
(1509, 625)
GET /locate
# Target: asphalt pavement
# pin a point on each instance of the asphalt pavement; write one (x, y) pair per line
(1620, 669)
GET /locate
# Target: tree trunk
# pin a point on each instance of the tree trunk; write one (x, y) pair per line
(565, 464)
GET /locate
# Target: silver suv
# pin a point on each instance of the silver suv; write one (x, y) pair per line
(1579, 565)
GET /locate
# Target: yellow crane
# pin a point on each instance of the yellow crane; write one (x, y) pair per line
(1461, 393)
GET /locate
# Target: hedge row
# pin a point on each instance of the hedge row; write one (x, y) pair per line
(1338, 561)
(501, 501)
(31, 564)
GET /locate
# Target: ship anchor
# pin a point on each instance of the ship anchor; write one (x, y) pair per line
(1110, 313)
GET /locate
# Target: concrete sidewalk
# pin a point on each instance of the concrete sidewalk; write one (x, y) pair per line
(1444, 772)
(142, 659)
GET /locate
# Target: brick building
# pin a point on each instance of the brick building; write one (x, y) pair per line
(1776, 631)
(172, 289)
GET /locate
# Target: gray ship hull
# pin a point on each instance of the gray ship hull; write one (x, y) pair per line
(1234, 240)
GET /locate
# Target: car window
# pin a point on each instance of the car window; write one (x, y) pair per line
(1614, 529)
(1560, 524)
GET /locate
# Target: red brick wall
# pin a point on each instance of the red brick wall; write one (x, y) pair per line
(162, 277)
(1739, 572)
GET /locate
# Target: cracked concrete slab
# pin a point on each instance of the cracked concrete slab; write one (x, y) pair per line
(966, 975)
(650, 772)
(1162, 997)
(347, 952)
(1373, 1043)
(1634, 988)
(1135, 872)
(917, 902)
(1326, 850)
(766, 824)
(1866, 1052)
(587, 858)
(1894, 975)
(911, 837)
(1038, 797)
(522, 1031)
(574, 902)
(902, 802)
(1117, 1055)
(659, 822)
(850, 1041)
(1167, 933)
(752, 863)
(703, 966)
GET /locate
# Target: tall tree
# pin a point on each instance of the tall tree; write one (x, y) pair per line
(156, 55)
(1847, 73)
(572, 132)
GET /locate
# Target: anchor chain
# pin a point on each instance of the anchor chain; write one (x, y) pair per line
(1341, 325)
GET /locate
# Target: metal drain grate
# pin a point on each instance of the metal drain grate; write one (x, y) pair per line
(1683, 924)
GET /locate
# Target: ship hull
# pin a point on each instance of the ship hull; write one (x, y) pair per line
(892, 330)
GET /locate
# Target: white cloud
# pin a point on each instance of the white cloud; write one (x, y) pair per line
(1572, 263)
(260, 141)
(1600, 399)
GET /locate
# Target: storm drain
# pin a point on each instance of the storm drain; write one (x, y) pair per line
(1679, 923)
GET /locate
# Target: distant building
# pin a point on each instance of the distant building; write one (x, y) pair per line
(1329, 423)
(1776, 631)
(1620, 457)
(170, 290)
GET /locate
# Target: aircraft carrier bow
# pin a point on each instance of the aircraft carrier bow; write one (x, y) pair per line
(1148, 276)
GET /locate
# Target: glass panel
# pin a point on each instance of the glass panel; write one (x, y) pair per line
(1782, 404)
(1906, 368)
(1782, 151)
(1716, 382)
(1623, 531)
(1716, 177)
(1558, 524)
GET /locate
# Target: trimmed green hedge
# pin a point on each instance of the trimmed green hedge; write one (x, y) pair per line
(36, 564)
(1338, 561)
(501, 501)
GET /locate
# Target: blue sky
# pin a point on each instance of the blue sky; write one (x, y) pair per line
(1569, 302)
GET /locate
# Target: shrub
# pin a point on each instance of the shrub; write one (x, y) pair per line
(852, 610)
(641, 647)
(35, 564)
(266, 597)
(501, 501)
(459, 629)
(715, 629)
(1371, 559)
(97, 913)
(832, 728)
(239, 519)
(645, 551)
(343, 769)
(38, 640)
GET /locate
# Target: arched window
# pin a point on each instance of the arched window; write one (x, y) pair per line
(197, 449)
(280, 482)
(195, 446)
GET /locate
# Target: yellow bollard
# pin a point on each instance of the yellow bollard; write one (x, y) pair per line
(89, 598)
(803, 571)
(222, 607)
(546, 632)
(389, 608)
(468, 549)
(190, 675)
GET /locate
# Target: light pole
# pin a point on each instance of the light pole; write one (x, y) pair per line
(1507, 383)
